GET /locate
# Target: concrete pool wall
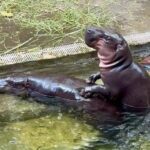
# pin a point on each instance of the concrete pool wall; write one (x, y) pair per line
(65, 50)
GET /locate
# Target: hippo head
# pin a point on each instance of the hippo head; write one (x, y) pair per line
(110, 45)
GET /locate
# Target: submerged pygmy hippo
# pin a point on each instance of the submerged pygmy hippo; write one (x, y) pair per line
(126, 83)
(48, 89)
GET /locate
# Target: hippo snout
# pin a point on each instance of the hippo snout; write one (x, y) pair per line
(94, 30)
(92, 34)
(90, 30)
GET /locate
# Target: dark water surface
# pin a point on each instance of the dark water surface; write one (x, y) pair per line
(31, 126)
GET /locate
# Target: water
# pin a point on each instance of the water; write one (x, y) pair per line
(31, 126)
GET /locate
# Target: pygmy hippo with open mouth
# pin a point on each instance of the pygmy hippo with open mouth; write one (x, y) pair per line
(126, 83)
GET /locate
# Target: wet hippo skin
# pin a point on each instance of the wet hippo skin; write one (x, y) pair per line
(126, 83)
(44, 88)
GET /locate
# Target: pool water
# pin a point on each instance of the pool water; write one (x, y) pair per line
(26, 125)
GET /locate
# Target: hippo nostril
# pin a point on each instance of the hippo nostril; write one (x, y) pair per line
(89, 31)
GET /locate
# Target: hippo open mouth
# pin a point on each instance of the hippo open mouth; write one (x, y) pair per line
(105, 42)
(98, 37)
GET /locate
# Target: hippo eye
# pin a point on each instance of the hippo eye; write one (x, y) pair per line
(108, 38)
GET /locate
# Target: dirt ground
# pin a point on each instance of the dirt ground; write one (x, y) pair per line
(133, 15)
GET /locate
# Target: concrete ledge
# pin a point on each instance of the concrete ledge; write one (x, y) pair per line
(138, 39)
(72, 49)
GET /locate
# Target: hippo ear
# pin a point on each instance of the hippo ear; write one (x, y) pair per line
(119, 48)
(122, 45)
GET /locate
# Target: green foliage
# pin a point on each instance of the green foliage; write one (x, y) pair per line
(59, 18)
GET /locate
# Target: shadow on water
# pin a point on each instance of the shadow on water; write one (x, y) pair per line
(29, 125)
